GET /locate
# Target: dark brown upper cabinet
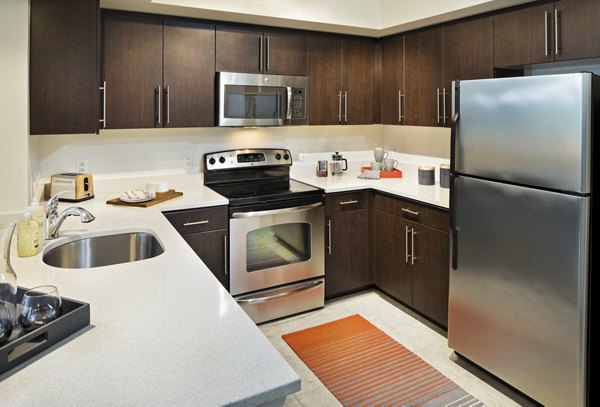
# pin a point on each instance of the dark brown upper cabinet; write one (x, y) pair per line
(423, 70)
(468, 54)
(392, 80)
(64, 66)
(251, 50)
(559, 31)
(341, 79)
(157, 73)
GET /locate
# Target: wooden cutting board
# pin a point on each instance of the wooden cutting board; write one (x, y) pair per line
(160, 198)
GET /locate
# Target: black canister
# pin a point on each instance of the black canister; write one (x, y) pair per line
(426, 175)
(445, 175)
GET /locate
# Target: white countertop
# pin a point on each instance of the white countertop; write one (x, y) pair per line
(408, 186)
(164, 331)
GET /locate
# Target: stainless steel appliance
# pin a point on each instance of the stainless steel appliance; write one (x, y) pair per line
(276, 232)
(521, 293)
(262, 100)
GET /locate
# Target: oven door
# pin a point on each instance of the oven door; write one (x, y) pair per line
(275, 247)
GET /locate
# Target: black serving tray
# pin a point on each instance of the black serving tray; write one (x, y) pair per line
(75, 316)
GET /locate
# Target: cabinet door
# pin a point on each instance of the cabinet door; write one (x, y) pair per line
(392, 79)
(468, 54)
(578, 33)
(423, 78)
(392, 270)
(347, 253)
(239, 50)
(189, 74)
(133, 71)
(430, 272)
(211, 247)
(323, 67)
(285, 53)
(524, 36)
(358, 69)
(64, 66)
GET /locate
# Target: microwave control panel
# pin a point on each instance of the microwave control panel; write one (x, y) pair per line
(298, 103)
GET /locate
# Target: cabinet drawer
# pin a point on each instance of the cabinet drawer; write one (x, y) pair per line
(198, 220)
(434, 218)
(345, 202)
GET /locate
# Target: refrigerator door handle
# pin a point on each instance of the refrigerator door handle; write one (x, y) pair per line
(453, 176)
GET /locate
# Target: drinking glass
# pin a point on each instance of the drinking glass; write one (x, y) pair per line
(6, 323)
(39, 306)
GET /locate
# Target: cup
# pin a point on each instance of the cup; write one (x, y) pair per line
(376, 166)
(380, 154)
(39, 306)
(389, 164)
(6, 323)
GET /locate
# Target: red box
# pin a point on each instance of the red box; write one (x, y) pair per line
(395, 173)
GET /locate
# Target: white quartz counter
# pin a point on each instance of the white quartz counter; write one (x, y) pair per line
(407, 186)
(163, 331)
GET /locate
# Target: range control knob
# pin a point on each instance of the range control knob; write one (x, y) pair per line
(286, 156)
(212, 161)
(222, 160)
(278, 156)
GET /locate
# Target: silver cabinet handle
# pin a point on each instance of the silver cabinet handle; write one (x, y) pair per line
(225, 253)
(412, 247)
(289, 103)
(400, 96)
(260, 53)
(339, 117)
(329, 236)
(546, 50)
(406, 244)
(168, 105)
(158, 95)
(200, 222)
(444, 104)
(267, 51)
(237, 215)
(349, 202)
(410, 212)
(254, 299)
(438, 105)
(556, 32)
(346, 107)
(103, 89)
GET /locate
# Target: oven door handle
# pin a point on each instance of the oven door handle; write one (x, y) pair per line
(275, 211)
(295, 290)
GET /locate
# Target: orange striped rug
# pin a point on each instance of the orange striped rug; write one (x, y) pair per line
(362, 366)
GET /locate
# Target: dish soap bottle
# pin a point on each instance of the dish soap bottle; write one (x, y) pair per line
(27, 236)
(38, 214)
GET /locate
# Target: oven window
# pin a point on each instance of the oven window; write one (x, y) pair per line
(253, 102)
(278, 245)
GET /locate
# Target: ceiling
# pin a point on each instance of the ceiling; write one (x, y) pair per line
(373, 18)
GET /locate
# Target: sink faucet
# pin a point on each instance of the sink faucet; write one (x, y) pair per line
(54, 220)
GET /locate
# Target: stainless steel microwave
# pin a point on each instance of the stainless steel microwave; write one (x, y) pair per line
(248, 100)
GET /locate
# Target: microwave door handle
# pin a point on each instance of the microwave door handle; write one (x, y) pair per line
(289, 102)
(237, 215)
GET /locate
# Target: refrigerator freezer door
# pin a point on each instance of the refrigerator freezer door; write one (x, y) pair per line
(518, 296)
(531, 130)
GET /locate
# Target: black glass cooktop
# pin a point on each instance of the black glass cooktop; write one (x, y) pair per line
(266, 191)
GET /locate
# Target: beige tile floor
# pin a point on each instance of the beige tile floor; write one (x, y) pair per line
(417, 334)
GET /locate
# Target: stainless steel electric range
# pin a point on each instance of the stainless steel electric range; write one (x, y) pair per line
(276, 232)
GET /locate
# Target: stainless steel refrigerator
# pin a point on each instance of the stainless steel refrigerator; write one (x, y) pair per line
(521, 218)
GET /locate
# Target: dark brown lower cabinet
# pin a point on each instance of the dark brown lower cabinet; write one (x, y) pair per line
(346, 243)
(206, 231)
(411, 255)
(211, 247)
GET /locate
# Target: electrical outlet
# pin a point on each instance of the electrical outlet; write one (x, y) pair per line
(188, 162)
(82, 166)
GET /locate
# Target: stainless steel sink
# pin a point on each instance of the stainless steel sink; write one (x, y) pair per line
(103, 250)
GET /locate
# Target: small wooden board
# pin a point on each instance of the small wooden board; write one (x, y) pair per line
(160, 198)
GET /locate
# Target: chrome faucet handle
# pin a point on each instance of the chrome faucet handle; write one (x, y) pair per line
(52, 206)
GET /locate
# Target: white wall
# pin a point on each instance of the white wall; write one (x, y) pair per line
(118, 151)
(431, 141)
(15, 162)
